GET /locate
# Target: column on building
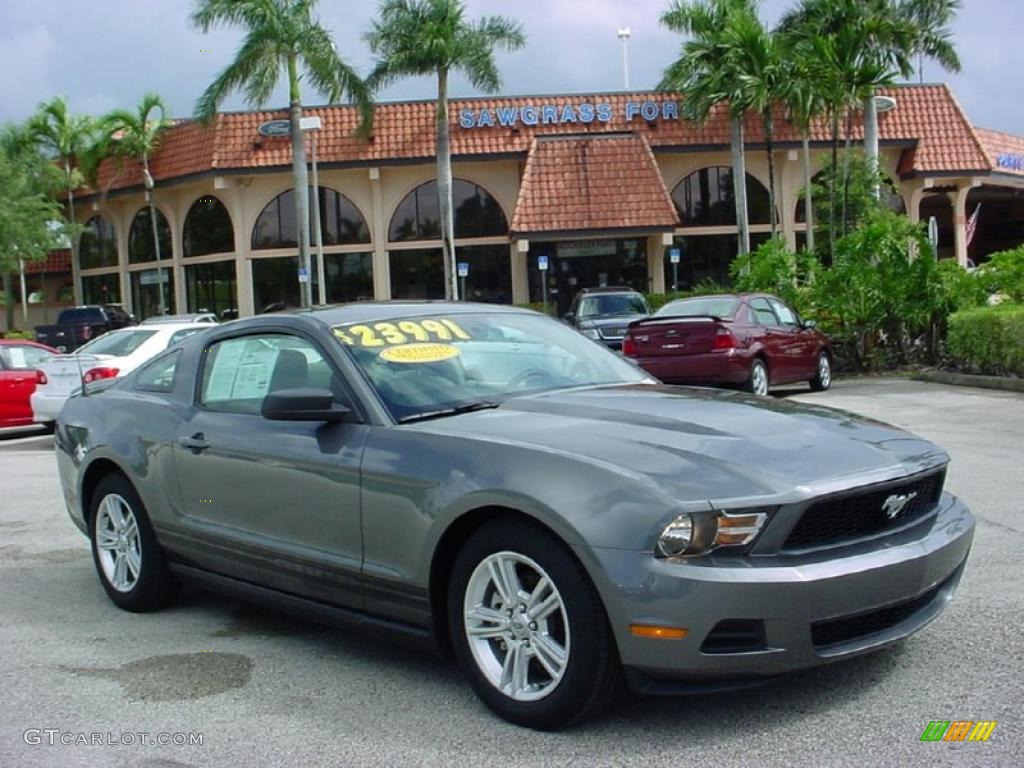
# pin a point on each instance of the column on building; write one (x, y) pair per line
(379, 228)
(959, 200)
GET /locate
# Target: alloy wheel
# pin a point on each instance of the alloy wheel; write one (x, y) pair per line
(759, 379)
(824, 371)
(117, 542)
(516, 626)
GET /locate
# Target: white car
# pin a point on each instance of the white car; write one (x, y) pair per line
(113, 354)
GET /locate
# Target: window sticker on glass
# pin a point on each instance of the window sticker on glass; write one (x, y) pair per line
(401, 332)
(419, 353)
(241, 370)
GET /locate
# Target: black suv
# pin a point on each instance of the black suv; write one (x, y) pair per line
(604, 314)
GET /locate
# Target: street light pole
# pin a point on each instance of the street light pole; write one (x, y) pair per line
(624, 33)
(310, 125)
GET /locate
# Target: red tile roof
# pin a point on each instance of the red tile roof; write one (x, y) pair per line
(55, 262)
(1005, 149)
(927, 117)
(592, 183)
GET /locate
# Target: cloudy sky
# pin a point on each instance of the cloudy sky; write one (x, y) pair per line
(106, 53)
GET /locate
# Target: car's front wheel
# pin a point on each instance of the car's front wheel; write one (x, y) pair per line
(529, 629)
(128, 559)
(822, 378)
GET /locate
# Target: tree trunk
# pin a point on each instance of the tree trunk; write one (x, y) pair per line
(769, 136)
(808, 194)
(73, 236)
(162, 309)
(9, 300)
(739, 185)
(846, 172)
(300, 175)
(833, 181)
(444, 188)
(871, 140)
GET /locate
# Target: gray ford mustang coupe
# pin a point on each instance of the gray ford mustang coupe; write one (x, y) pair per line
(492, 484)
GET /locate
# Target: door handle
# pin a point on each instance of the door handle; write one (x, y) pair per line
(196, 443)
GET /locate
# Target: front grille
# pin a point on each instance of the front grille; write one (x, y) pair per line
(613, 333)
(847, 628)
(844, 518)
(735, 636)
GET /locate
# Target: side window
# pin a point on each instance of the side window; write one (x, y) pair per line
(240, 372)
(182, 335)
(158, 376)
(763, 314)
(18, 356)
(786, 315)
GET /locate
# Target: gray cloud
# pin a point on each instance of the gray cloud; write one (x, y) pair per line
(107, 53)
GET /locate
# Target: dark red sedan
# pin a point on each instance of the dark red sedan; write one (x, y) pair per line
(747, 339)
(18, 378)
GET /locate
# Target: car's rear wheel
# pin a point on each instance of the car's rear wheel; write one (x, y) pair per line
(822, 378)
(757, 382)
(529, 629)
(124, 548)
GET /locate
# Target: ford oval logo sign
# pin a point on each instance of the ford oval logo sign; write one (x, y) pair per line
(275, 128)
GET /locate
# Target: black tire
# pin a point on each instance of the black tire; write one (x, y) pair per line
(753, 383)
(153, 587)
(592, 673)
(822, 378)
(49, 427)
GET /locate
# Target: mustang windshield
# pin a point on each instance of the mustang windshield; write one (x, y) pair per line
(445, 364)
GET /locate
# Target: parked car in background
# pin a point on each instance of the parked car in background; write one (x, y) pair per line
(751, 340)
(113, 354)
(195, 317)
(18, 377)
(603, 314)
(76, 326)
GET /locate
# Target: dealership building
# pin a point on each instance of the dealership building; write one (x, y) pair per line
(605, 186)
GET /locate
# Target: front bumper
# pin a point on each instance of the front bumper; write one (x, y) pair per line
(46, 407)
(881, 595)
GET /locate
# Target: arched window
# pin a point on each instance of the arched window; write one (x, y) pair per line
(476, 213)
(208, 228)
(98, 246)
(340, 221)
(705, 199)
(140, 237)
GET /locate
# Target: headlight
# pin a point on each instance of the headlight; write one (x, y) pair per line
(700, 532)
(591, 333)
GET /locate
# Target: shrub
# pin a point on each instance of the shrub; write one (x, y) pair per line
(1004, 273)
(989, 339)
(773, 268)
(26, 335)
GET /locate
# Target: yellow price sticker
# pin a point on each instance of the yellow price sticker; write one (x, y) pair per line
(401, 332)
(419, 353)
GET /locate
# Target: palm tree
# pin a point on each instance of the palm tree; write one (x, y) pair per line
(137, 135)
(433, 37)
(280, 35)
(65, 138)
(708, 75)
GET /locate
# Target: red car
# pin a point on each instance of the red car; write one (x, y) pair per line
(752, 340)
(18, 378)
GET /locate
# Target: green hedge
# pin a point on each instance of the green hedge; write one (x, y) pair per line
(27, 335)
(989, 339)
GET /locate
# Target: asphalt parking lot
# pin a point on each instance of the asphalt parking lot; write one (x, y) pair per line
(266, 689)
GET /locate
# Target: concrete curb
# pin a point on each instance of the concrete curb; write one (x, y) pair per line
(1003, 383)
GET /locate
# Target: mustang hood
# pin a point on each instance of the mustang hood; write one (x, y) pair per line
(706, 444)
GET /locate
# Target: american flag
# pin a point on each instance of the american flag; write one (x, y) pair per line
(972, 224)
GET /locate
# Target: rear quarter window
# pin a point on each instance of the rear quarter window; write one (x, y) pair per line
(160, 374)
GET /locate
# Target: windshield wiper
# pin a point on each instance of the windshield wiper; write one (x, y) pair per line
(475, 405)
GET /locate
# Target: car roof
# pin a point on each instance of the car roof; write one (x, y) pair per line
(184, 318)
(22, 342)
(608, 289)
(161, 328)
(372, 311)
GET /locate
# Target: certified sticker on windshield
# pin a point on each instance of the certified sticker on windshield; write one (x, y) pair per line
(401, 332)
(419, 353)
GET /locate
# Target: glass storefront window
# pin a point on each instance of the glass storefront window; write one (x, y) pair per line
(98, 244)
(417, 274)
(476, 213)
(340, 221)
(208, 228)
(349, 276)
(705, 199)
(275, 284)
(577, 264)
(706, 258)
(140, 237)
(145, 287)
(213, 288)
(101, 289)
(490, 273)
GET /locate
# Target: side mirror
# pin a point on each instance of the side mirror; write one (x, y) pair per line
(569, 317)
(808, 324)
(303, 405)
